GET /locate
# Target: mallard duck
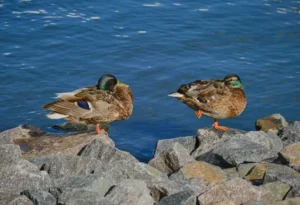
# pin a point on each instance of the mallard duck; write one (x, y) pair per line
(108, 101)
(218, 99)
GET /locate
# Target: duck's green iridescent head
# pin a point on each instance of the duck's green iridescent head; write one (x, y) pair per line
(233, 80)
(107, 82)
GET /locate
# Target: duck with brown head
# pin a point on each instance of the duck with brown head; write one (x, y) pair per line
(218, 99)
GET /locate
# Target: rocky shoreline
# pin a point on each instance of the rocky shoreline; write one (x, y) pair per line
(213, 167)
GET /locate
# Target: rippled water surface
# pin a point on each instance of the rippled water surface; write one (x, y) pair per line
(55, 46)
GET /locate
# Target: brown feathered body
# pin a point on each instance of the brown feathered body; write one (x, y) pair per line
(104, 106)
(216, 98)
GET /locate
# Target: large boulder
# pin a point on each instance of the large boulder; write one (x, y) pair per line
(130, 192)
(273, 123)
(171, 159)
(188, 142)
(290, 134)
(238, 151)
(236, 190)
(291, 154)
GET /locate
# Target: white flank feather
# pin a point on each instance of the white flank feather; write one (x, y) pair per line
(56, 115)
(176, 95)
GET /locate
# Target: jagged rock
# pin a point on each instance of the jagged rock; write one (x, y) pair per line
(9, 153)
(257, 174)
(11, 199)
(203, 170)
(40, 197)
(284, 174)
(188, 142)
(22, 175)
(130, 192)
(237, 151)
(35, 142)
(80, 186)
(231, 173)
(224, 203)
(171, 159)
(273, 123)
(181, 198)
(294, 201)
(209, 138)
(244, 169)
(64, 165)
(291, 154)
(105, 153)
(290, 134)
(277, 189)
(236, 190)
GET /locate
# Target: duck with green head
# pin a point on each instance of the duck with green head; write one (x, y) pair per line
(108, 101)
(218, 99)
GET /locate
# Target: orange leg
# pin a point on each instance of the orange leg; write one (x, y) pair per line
(198, 113)
(216, 126)
(100, 131)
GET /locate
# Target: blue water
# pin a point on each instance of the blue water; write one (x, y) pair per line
(55, 46)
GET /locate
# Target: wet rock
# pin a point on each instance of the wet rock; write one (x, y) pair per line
(236, 190)
(171, 159)
(9, 153)
(244, 169)
(290, 134)
(188, 142)
(291, 154)
(203, 170)
(35, 142)
(273, 123)
(64, 165)
(238, 151)
(294, 201)
(75, 185)
(40, 197)
(22, 175)
(181, 198)
(277, 189)
(130, 192)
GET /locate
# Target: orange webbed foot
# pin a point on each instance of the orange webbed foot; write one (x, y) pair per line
(216, 126)
(198, 113)
(102, 131)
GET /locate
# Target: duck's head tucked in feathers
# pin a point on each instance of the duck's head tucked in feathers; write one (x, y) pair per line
(233, 80)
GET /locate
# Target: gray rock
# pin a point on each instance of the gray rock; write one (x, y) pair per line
(105, 153)
(209, 138)
(130, 192)
(70, 186)
(294, 201)
(80, 197)
(231, 173)
(181, 198)
(188, 142)
(236, 190)
(277, 189)
(5, 139)
(130, 170)
(244, 169)
(64, 165)
(9, 153)
(40, 197)
(273, 123)
(171, 159)
(284, 174)
(20, 176)
(290, 134)
(11, 199)
(237, 151)
(255, 202)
